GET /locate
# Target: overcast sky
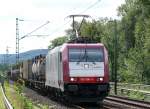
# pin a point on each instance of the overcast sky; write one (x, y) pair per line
(37, 12)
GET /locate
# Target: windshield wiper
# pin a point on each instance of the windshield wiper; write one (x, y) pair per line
(82, 57)
(91, 59)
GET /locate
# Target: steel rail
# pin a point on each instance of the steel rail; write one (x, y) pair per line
(129, 102)
(7, 103)
(78, 107)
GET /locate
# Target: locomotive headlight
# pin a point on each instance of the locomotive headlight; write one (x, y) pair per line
(101, 79)
(72, 79)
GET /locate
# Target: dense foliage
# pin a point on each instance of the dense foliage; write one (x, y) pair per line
(135, 24)
(3, 69)
(57, 42)
(132, 33)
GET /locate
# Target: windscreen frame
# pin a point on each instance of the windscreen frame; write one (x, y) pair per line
(85, 51)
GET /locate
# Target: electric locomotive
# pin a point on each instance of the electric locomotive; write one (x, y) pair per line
(79, 71)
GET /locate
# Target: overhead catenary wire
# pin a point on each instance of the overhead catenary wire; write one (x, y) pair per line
(58, 29)
(89, 7)
(28, 34)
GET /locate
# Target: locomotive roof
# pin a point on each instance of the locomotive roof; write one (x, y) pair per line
(83, 44)
(60, 48)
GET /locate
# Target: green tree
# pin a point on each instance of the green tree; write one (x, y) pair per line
(135, 20)
(58, 41)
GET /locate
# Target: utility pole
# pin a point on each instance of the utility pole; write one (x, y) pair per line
(115, 55)
(18, 38)
(7, 55)
(17, 42)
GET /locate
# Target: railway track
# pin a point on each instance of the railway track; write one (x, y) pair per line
(111, 102)
(115, 102)
(6, 102)
(123, 102)
(96, 106)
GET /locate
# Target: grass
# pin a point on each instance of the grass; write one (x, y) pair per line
(133, 94)
(136, 95)
(13, 96)
(2, 106)
(18, 100)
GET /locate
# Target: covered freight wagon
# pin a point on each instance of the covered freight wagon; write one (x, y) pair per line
(27, 69)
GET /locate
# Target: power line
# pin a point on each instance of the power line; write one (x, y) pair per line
(34, 30)
(91, 6)
(18, 39)
(58, 29)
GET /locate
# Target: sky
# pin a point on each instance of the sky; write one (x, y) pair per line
(34, 13)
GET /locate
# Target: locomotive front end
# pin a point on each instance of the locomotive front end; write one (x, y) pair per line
(88, 76)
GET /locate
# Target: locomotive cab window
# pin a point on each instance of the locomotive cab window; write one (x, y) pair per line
(85, 55)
